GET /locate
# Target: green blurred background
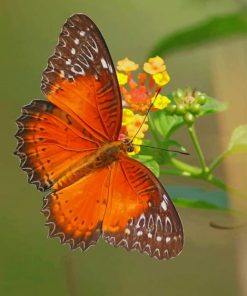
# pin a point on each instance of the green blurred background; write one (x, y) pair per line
(213, 261)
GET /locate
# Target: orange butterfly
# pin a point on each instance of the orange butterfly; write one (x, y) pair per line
(69, 145)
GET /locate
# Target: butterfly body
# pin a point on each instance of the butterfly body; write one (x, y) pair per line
(69, 147)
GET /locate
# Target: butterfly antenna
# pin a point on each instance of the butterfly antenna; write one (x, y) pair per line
(164, 149)
(146, 115)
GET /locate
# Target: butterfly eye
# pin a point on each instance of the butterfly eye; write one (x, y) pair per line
(130, 149)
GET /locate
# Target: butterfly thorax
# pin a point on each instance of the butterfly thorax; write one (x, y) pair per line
(103, 157)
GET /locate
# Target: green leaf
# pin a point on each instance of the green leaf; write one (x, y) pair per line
(212, 106)
(149, 162)
(216, 28)
(193, 197)
(187, 203)
(238, 141)
(165, 124)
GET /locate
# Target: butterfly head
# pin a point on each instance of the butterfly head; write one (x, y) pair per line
(127, 145)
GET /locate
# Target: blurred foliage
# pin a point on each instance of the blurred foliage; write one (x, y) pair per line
(196, 197)
(238, 141)
(213, 29)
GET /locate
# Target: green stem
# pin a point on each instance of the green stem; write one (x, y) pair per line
(217, 161)
(186, 169)
(197, 146)
(173, 172)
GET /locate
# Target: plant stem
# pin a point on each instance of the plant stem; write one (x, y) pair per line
(185, 168)
(173, 172)
(217, 161)
(197, 146)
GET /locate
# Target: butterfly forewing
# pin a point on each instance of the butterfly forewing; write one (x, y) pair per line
(50, 142)
(80, 78)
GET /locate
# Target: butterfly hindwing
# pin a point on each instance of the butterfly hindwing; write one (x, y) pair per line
(140, 214)
(80, 79)
(75, 212)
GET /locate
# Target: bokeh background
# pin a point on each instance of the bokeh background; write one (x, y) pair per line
(213, 261)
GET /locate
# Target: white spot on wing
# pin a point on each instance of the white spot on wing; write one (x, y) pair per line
(73, 50)
(82, 33)
(76, 41)
(104, 64)
(158, 238)
(68, 62)
(165, 198)
(110, 68)
(163, 205)
(139, 233)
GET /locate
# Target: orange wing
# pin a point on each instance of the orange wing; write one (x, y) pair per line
(50, 143)
(81, 80)
(140, 214)
(75, 213)
(84, 111)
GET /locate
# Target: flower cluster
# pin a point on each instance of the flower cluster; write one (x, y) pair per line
(187, 104)
(140, 95)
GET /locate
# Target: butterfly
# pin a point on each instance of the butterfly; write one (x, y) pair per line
(69, 148)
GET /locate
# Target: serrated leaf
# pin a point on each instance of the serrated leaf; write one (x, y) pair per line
(212, 106)
(149, 162)
(215, 28)
(166, 124)
(238, 141)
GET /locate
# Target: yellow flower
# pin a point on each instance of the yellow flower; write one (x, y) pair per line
(161, 79)
(154, 65)
(128, 116)
(126, 65)
(137, 123)
(137, 148)
(160, 102)
(122, 78)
